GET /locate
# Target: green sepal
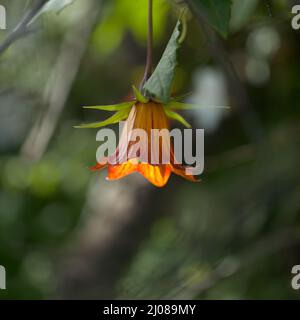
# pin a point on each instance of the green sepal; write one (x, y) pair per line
(176, 116)
(117, 117)
(139, 96)
(188, 106)
(114, 107)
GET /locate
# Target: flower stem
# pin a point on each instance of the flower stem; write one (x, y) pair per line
(148, 70)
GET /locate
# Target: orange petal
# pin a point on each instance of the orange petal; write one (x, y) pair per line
(98, 166)
(119, 171)
(157, 175)
(181, 171)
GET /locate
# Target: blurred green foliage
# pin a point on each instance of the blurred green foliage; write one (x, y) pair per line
(235, 235)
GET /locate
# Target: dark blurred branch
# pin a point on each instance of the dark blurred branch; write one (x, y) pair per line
(293, 2)
(261, 250)
(22, 29)
(60, 82)
(249, 118)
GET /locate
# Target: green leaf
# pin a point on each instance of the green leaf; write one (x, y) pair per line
(241, 12)
(114, 107)
(52, 6)
(176, 116)
(139, 96)
(117, 117)
(159, 84)
(187, 106)
(217, 13)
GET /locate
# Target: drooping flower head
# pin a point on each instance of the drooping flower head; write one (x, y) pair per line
(150, 111)
(146, 116)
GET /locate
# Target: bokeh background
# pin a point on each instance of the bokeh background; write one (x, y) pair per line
(67, 233)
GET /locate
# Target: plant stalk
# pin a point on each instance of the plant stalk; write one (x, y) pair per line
(148, 69)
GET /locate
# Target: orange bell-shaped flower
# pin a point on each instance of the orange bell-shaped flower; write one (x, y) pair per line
(145, 116)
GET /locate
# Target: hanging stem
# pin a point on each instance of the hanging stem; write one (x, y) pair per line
(148, 70)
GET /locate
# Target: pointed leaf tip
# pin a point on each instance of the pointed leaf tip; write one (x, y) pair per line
(177, 117)
(159, 84)
(115, 118)
(191, 106)
(138, 95)
(114, 107)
